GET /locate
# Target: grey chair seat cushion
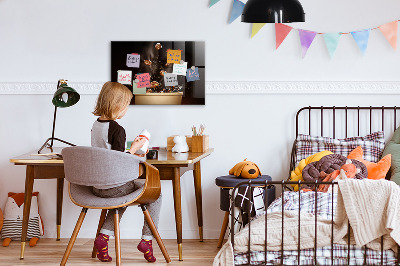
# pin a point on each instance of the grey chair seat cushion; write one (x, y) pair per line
(83, 196)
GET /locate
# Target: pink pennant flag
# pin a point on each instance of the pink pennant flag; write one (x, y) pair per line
(281, 31)
(389, 30)
(306, 39)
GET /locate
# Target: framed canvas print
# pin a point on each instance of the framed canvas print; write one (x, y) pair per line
(160, 72)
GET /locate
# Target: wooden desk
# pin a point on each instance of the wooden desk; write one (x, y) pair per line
(40, 167)
(168, 164)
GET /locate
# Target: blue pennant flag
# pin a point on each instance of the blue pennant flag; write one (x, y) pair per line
(332, 41)
(361, 37)
(237, 9)
(213, 2)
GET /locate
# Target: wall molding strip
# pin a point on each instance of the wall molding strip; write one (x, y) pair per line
(231, 87)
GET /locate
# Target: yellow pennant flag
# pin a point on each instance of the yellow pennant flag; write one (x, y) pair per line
(256, 28)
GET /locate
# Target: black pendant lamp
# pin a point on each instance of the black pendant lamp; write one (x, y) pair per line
(273, 11)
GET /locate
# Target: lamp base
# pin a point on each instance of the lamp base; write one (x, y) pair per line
(50, 146)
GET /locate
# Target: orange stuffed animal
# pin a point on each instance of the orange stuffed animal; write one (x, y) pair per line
(245, 169)
(13, 213)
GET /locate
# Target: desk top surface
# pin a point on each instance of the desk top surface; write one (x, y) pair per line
(164, 157)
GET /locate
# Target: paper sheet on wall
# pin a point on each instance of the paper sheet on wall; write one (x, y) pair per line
(174, 56)
(170, 79)
(136, 90)
(192, 75)
(133, 60)
(180, 69)
(144, 80)
(125, 77)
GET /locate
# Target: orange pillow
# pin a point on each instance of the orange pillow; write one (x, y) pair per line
(375, 170)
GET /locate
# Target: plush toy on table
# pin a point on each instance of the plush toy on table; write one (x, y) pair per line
(180, 144)
(245, 169)
(13, 215)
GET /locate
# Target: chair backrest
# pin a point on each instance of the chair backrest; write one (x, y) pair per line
(91, 166)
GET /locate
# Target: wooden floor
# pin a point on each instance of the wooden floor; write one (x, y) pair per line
(50, 252)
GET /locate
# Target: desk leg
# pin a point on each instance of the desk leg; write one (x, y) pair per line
(27, 206)
(199, 204)
(176, 182)
(60, 190)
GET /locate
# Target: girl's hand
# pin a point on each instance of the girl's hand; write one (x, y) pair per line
(137, 144)
(142, 155)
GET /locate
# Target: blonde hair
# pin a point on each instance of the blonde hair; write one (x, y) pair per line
(112, 99)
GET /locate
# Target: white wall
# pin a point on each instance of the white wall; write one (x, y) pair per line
(43, 41)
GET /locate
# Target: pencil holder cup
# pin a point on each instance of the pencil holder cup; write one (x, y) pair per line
(200, 143)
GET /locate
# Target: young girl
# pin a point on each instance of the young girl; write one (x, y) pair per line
(112, 104)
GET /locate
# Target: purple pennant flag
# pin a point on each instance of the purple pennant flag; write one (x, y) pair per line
(306, 39)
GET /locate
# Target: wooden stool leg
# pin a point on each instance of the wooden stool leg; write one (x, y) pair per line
(101, 222)
(73, 237)
(117, 239)
(223, 229)
(156, 235)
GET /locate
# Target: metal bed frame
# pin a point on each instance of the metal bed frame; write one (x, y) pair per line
(283, 184)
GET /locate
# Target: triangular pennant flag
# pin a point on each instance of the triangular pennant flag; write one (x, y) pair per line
(306, 39)
(332, 41)
(281, 31)
(256, 28)
(361, 37)
(237, 9)
(389, 30)
(213, 2)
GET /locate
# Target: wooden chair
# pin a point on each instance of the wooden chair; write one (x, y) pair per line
(85, 167)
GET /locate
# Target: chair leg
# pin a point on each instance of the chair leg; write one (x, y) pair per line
(154, 230)
(101, 222)
(223, 229)
(73, 237)
(117, 239)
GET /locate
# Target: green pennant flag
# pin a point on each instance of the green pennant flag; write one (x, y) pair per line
(213, 2)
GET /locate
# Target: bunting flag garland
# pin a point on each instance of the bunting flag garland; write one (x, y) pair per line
(332, 41)
(281, 31)
(361, 37)
(389, 30)
(256, 27)
(306, 39)
(237, 9)
(213, 2)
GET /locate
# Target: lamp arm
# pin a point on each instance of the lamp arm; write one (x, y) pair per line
(54, 126)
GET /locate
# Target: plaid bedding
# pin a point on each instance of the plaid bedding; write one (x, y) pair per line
(322, 207)
(372, 145)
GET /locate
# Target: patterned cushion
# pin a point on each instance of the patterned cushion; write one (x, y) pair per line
(372, 144)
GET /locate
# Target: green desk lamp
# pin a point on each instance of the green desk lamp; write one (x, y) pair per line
(65, 96)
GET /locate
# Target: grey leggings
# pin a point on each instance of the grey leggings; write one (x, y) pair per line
(154, 208)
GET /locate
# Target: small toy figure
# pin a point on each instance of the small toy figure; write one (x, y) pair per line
(180, 144)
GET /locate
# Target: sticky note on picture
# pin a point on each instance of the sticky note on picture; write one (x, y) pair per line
(180, 69)
(192, 74)
(174, 56)
(125, 77)
(133, 60)
(170, 79)
(144, 80)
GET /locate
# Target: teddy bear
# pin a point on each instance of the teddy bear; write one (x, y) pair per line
(245, 169)
(13, 215)
(180, 144)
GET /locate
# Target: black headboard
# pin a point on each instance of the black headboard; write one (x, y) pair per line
(343, 122)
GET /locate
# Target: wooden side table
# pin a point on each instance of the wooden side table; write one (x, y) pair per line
(226, 183)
